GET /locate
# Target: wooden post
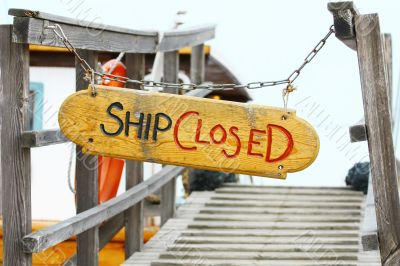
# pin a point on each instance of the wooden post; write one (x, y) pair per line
(135, 64)
(197, 63)
(380, 142)
(16, 168)
(170, 74)
(86, 182)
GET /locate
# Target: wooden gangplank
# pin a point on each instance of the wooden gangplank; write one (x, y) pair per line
(259, 225)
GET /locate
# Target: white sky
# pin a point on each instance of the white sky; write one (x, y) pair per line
(265, 40)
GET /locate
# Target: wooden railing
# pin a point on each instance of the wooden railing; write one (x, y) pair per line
(380, 229)
(94, 224)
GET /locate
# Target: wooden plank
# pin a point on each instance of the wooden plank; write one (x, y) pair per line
(86, 182)
(358, 133)
(175, 39)
(259, 248)
(343, 19)
(105, 37)
(267, 232)
(31, 139)
(77, 22)
(268, 141)
(285, 204)
(290, 197)
(380, 141)
(50, 236)
(15, 160)
(274, 218)
(168, 192)
(265, 240)
(27, 30)
(260, 210)
(257, 256)
(287, 191)
(135, 64)
(197, 64)
(219, 262)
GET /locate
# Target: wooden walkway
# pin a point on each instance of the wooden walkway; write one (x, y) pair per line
(257, 225)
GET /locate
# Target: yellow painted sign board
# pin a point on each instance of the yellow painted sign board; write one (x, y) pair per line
(189, 131)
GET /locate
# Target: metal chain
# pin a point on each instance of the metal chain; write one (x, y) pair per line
(90, 73)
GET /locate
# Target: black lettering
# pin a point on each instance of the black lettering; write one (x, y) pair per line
(156, 128)
(118, 106)
(138, 124)
(147, 129)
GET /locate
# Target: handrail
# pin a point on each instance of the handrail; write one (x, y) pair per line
(52, 235)
(30, 27)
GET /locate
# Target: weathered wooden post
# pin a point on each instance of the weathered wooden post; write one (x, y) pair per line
(379, 131)
(15, 160)
(135, 64)
(86, 181)
(170, 74)
(197, 64)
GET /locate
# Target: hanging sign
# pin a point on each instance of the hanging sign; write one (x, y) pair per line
(189, 131)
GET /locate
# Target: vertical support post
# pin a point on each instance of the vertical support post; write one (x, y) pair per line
(86, 182)
(171, 69)
(379, 129)
(197, 64)
(15, 167)
(135, 64)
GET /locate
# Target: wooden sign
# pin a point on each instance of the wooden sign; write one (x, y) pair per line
(189, 131)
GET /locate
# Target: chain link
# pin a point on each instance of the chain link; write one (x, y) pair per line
(145, 84)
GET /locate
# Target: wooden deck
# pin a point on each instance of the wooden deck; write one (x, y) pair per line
(257, 225)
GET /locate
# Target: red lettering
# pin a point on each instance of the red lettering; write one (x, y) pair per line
(176, 130)
(289, 147)
(212, 134)
(198, 132)
(252, 141)
(233, 131)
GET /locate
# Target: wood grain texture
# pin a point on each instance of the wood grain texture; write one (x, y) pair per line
(168, 192)
(135, 64)
(380, 141)
(29, 29)
(52, 235)
(15, 160)
(33, 31)
(77, 122)
(86, 183)
(32, 139)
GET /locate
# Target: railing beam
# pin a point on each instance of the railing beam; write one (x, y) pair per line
(52, 235)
